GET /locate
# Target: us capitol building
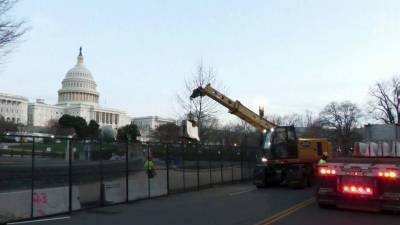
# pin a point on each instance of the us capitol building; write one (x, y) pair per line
(78, 96)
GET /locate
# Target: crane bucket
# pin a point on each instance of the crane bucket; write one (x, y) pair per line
(197, 93)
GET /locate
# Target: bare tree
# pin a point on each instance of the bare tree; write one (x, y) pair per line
(10, 30)
(385, 102)
(169, 132)
(286, 120)
(341, 117)
(203, 109)
(308, 119)
(248, 134)
(244, 127)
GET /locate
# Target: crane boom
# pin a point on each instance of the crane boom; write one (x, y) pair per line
(235, 107)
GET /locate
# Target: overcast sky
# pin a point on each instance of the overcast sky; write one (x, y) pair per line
(286, 55)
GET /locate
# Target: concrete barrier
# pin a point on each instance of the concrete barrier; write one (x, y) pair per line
(114, 191)
(17, 205)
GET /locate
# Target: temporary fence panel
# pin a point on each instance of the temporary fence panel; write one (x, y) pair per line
(227, 158)
(86, 171)
(204, 165)
(138, 180)
(51, 180)
(190, 166)
(114, 172)
(15, 178)
(158, 180)
(236, 164)
(176, 168)
(216, 164)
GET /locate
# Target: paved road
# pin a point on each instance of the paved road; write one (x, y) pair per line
(313, 215)
(229, 205)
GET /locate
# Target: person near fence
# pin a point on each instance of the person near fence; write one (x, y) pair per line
(149, 166)
(323, 158)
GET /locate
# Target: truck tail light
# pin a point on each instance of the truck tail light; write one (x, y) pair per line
(324, 171)
(357, 189)
(388, 174)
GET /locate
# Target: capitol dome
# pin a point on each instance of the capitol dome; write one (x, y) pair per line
(78, 86)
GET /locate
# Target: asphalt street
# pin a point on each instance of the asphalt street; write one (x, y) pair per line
(240, 204)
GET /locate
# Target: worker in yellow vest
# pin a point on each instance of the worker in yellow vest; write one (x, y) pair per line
(323, 158)
(149, 166)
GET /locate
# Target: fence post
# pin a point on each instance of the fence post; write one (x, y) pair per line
(127, 171)
(198, 167)
(395, 142)
(148, 177)
(70, 155)
(183, 166)
(167, 164)
(222, 165)
(232, 153)
(102, 188)
(209, 163)
(241, 164)
(33, 175)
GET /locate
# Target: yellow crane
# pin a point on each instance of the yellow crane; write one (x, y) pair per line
(283, 158)
(235, 107)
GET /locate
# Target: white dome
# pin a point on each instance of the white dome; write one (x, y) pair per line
(78, 85)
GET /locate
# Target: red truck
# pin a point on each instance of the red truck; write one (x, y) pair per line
(369, 180)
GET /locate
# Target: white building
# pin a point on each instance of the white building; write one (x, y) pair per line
(148, 124)
(78, 96)
(14, 108)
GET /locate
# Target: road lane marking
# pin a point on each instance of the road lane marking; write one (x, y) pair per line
(280, 215)
(241, 192)
(41, 220)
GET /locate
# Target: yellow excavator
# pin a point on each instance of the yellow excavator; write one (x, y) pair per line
(284, 158)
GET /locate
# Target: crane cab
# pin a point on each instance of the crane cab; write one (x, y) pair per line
(280, 143)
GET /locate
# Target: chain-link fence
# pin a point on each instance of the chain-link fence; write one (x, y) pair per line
(44, 176)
